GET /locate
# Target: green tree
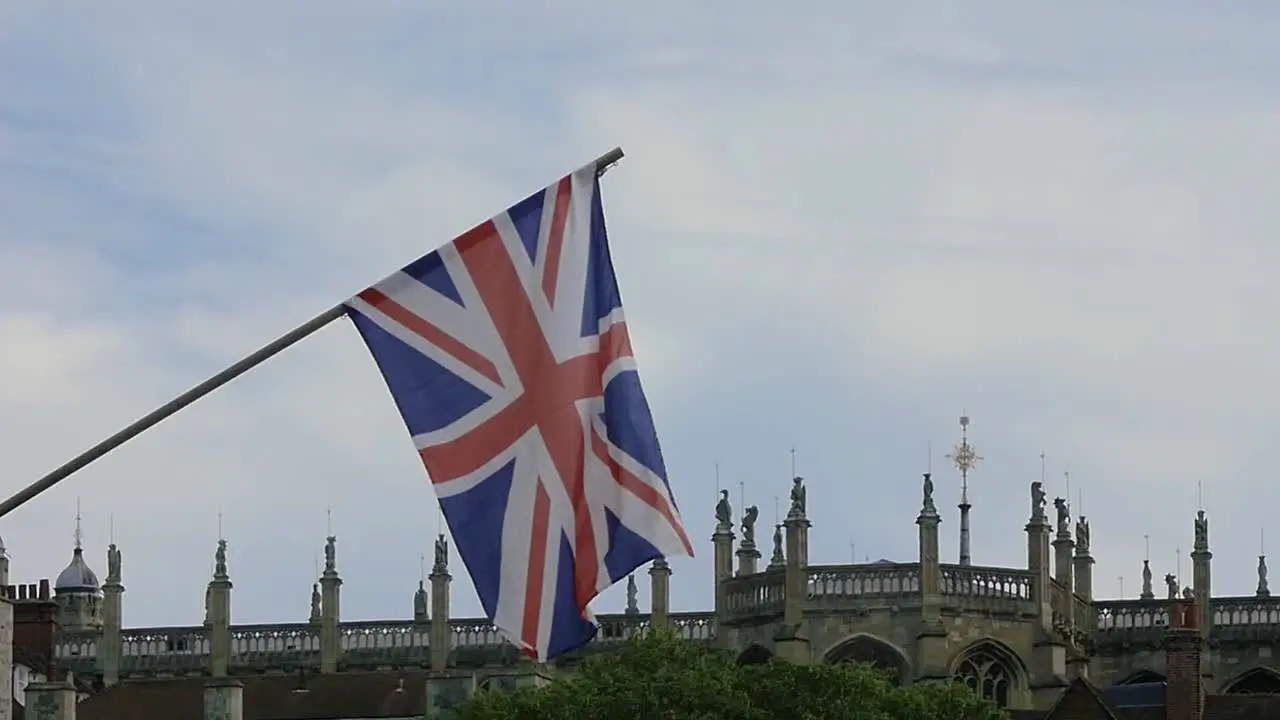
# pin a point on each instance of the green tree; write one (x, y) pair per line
(661, 677)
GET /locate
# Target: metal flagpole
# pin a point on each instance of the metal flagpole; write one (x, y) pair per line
(155, 417)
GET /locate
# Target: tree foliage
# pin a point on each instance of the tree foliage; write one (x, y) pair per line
(661, 677)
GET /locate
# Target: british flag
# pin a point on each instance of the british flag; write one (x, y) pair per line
(508, 356)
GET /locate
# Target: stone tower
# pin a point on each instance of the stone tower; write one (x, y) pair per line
(78, 593)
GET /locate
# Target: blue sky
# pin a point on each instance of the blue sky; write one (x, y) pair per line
(838, 226)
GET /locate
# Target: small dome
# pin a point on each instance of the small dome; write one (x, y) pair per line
(77, 577)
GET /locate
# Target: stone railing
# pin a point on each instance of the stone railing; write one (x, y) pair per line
(833, 584)
(986, 588)
(1130, 621)
(756, 596)
(181, 650)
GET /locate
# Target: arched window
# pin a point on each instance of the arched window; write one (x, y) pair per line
(872, 651)
(987, 673)
(1258, 681)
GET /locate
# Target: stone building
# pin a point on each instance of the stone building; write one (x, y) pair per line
(1033, 638)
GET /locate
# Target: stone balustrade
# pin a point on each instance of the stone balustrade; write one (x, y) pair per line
(999, 590)
(185, 650)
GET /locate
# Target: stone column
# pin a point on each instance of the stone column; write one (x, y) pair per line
(223, 699)
(1201, 585)
(660, 592)
(792, 641)
(330, 608)
(218, 614)
(722, 540)
(1038, 553)
(109, 648)
(441, 632)
(48, 700)
(931, 649)
(748, 556)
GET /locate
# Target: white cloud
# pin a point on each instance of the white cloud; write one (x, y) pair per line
(836, 232)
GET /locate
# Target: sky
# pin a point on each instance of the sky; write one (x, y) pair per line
(837, 228)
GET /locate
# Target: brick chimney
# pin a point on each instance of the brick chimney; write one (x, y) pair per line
(1183, 648)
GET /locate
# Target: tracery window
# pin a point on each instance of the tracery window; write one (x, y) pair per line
(986, 675)
(1258, 681)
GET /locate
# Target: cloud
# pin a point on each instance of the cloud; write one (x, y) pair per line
(833, 233)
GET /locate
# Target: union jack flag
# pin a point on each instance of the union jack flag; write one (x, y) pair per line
(508, 356)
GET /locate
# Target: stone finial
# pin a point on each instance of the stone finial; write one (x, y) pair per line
(220, 561)
(315, 603)
(633, 608)
(420, 613)
(1064, 516)
(724, 512)
(749, 516)
(927, 506)
(1263, 590)
(799, 503)
(1148, 593)
(779, 558)
(1037, 502)
(331, 555)
(1082, 535)
(441, 564)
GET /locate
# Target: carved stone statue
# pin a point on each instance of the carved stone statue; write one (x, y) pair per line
(724, 513)
(926, 504)
(1263, 590)
(1202, 531)
(1082, 536)
(331, 555)
(113, 562)
(316, 614)
(1172, 583)
(220, 560)
(442, 555)
(749, 524)
(797, 497)
(1037, 501)
(1188, 593)
(419, 602)
(1064, 516)
(1147, 592)
(779, 558)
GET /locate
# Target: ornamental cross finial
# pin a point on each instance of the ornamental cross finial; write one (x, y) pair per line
(964, 457)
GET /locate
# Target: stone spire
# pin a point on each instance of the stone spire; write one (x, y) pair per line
(965, 459)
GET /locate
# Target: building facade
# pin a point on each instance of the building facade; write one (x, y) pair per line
(1019, 635)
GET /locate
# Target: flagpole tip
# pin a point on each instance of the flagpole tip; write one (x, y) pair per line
(608, 160)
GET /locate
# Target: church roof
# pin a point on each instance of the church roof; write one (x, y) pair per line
(77, 577)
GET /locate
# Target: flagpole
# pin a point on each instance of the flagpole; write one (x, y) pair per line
(155, 417)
